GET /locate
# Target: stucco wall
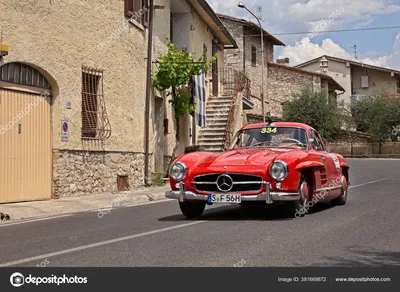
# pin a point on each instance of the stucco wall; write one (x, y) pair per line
(61, 36)
(339, 72)
(58, 38)
(377, 81)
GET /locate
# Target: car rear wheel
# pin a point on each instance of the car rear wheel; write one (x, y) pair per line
(192, 210)
(341, 200)
(300, 207)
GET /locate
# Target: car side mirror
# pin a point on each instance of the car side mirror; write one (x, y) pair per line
(311, 140)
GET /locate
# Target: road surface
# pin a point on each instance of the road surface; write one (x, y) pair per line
(364, 232)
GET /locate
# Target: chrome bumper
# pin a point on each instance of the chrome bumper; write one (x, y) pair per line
(268, 197)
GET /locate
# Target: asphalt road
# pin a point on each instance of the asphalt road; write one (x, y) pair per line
(364, 232)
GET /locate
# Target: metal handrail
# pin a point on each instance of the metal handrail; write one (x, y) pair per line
(242, 86)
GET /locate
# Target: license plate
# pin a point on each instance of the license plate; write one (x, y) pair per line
(224, 198)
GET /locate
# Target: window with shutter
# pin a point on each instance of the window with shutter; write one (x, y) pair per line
(137, 10)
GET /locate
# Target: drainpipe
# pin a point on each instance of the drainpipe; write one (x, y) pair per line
(148, 95)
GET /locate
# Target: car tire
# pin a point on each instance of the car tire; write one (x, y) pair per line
(297, 209)
(342, 199)
(192, 210)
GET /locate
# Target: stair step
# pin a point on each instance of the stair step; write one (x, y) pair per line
(220, 101)
(212, 138)
(223, 109)
(216, 131)
(212, 143)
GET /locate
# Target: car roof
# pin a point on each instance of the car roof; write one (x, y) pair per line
(279, 124)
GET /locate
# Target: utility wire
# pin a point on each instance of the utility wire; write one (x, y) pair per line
(324, 31)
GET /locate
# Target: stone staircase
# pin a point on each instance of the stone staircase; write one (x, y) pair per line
(212, 138)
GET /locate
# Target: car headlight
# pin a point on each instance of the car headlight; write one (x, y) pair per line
(178, 171)
(279, 170)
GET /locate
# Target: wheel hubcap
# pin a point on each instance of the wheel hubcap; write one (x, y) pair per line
(344, 186)
(304, 193)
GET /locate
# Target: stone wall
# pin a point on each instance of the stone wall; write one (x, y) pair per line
(78, 173)
(283, 82)
(363, 148)
(234, 57)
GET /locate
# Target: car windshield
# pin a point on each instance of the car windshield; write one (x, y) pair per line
(270, 137)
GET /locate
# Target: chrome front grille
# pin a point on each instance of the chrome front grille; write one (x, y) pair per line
(241, 183)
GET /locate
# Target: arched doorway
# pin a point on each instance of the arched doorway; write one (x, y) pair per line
(25, 134)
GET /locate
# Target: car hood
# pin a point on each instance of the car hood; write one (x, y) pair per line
(237, 157)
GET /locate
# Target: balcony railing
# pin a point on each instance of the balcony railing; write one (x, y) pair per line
(225, 81)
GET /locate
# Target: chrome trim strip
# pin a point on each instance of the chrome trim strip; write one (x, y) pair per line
(229, 173)
(328, 189)
(265, 197)
(235, 183)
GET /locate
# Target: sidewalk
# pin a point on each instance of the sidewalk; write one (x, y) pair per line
(102, 203)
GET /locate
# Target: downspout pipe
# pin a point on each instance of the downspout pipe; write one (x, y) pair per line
(148, 94)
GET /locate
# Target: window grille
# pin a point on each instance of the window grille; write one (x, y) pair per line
(95, 123)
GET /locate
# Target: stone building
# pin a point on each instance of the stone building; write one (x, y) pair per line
(247, 57)
(72, 92)
(284, 80)
(281, 80)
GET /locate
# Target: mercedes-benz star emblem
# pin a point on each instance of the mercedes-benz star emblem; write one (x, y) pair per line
(224, 183)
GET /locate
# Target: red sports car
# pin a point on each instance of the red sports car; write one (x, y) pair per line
(277, 163)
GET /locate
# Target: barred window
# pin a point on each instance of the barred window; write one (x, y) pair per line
(137, 10)
(95, 123)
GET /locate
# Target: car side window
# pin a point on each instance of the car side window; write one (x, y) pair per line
(316, 144)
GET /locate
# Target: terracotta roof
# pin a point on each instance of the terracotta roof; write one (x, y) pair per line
(332, 81)
(252, 24)
(355, 63)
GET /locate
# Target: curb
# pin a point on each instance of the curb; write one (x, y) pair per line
(136, 200)
(387, 156)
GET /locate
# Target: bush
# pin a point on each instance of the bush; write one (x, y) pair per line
(194, 148)
(313, 108)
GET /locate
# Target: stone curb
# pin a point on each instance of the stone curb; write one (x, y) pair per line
(40, 210)
(393, 156)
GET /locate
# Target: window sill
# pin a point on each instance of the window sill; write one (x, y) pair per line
(137, 24)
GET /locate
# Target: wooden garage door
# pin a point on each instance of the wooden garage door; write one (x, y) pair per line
(25, 146)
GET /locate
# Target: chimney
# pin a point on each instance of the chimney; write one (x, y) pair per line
(283, 61)
(323, 65)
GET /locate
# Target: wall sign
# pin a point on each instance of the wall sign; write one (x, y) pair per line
(64, 130)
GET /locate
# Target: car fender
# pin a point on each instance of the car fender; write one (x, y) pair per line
(308, 164)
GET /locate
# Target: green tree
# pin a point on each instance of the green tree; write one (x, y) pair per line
(378, 116)
(313, 108)
(176, 69)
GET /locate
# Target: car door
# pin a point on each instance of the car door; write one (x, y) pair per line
(332, 165)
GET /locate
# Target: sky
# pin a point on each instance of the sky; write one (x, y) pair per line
(376, 47)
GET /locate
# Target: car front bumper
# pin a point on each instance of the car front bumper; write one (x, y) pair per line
(267, 196)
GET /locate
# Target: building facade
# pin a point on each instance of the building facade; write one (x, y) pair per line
(280, 80)
(247, 57)
(72, 93)
(358, 79)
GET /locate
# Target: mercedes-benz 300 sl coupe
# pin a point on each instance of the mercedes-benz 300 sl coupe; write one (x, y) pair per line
(276, 163)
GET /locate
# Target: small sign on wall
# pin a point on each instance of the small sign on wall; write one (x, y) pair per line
(64, 130)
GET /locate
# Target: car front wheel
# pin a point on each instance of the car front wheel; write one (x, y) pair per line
(192, 210)
(300, 207)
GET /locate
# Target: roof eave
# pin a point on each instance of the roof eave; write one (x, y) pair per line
(222, 32)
